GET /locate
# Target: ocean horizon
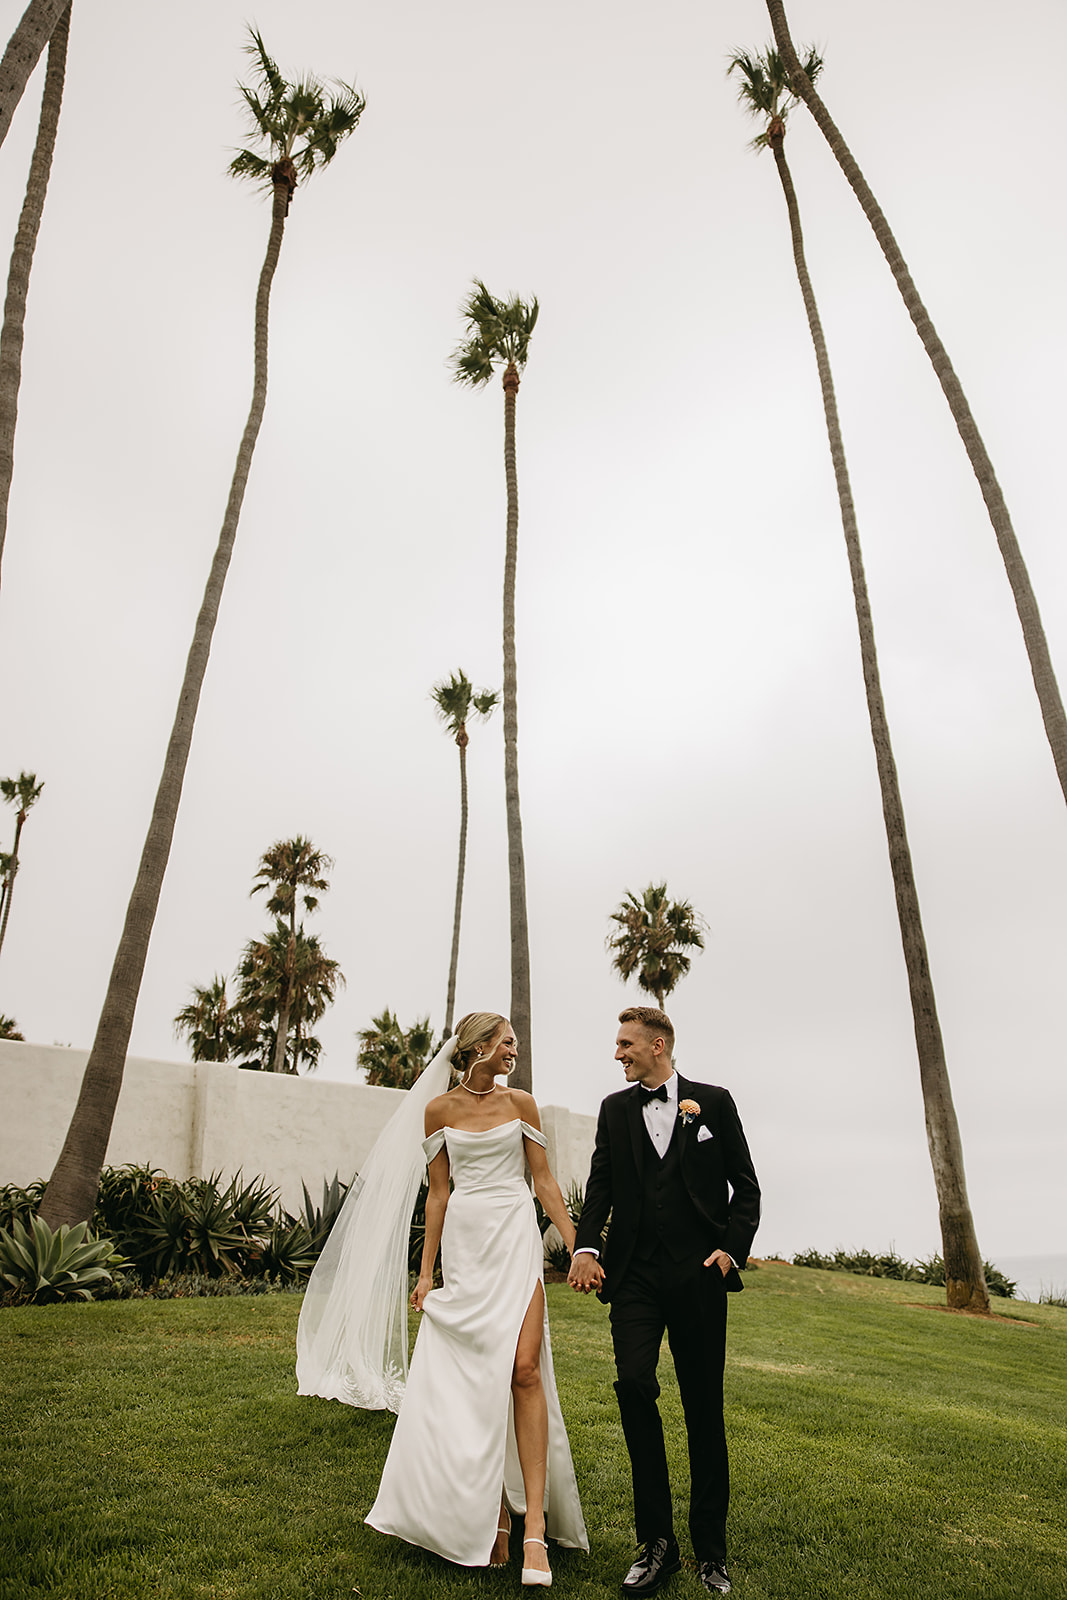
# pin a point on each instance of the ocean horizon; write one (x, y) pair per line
(1035, 1275)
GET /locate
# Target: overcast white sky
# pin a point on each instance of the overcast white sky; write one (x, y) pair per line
(691, 705)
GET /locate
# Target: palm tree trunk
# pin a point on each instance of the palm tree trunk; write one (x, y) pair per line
(71, 1191)
(285, 1005)
(965, 1281)
(285, 1008)
(450, 1004)
(522, 1077)
(23, 53)
(1048, 693)
(18, 277)
(9, 887)
(281, 1037)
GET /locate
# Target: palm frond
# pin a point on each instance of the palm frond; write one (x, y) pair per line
(267, 67)
(472, 365)
(497, 331)
(246, 164)
(452, 699)
(304, 121)
(485, 701)
(764, 89)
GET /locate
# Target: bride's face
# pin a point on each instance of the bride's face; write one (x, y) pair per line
(500, 1057)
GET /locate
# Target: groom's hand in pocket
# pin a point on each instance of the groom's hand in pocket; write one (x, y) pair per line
(586, 1273)
(720, 1259)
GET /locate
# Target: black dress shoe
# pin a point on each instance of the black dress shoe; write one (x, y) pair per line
(653, 1567)
(714, 1576)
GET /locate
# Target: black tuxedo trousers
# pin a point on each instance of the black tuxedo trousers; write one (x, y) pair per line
(690, 1306)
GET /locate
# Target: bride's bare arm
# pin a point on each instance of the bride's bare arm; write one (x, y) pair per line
(546, 1188)
(436, 1204)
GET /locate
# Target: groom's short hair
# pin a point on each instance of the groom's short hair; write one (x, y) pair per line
(652, 1018)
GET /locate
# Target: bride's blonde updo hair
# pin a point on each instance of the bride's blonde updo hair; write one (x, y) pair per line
(473, 1033)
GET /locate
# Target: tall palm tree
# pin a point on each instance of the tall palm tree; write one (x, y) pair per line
(18, 277)
(1048, 693)
(499, 331)
(393, 1057)
(456, 700)
(215, 1029)
(301, 125)
(285, 986)
(764, 92)
(7, 861)
(23, 53)
(22, 792)
(287, 868)
(654, 935)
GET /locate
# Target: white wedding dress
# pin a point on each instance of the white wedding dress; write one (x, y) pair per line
(453, 1449)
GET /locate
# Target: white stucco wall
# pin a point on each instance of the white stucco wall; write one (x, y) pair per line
(191, 1120)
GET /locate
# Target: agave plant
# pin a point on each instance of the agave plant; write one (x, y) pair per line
(217, 1241)
(288, 1253)
(319, 1220)
(40, 1266)
(157, 1242)
(19, 1205)
(252, 1205)
(125, 1199)
(417, 1232)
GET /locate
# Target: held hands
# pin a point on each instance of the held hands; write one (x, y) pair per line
(420, 1291)
(586, 1273)
(720, 1259)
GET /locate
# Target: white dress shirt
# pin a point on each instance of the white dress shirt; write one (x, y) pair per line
(661, 1115)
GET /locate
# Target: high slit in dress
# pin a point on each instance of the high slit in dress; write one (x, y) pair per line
(453, 1449)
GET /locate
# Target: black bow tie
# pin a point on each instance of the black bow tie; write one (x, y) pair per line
(645, 1095)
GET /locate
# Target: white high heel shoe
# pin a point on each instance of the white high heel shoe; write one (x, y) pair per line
(533, 1577)
(502, 1527)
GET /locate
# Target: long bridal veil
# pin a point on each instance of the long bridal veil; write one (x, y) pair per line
(352, 1337)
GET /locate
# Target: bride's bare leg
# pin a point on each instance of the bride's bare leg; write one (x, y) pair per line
(531, 1426)
(500, 1554)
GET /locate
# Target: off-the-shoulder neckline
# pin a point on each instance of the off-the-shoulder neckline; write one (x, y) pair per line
(449, 1128)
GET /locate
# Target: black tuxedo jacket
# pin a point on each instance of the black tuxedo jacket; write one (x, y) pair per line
(717, 1172)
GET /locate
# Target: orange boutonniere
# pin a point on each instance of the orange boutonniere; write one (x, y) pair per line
(687, 1110)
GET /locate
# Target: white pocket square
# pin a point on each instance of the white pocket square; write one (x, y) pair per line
(704, 1133)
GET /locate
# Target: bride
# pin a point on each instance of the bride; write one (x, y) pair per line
(479, 1431)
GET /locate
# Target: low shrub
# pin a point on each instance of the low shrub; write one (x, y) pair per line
(288, 1253)
(19, 1205)
(890, 1265)
(189, 1286)
(863, 1263)
(195, 1232)
(38, 1266)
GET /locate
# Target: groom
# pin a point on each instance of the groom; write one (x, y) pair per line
(672, 1167)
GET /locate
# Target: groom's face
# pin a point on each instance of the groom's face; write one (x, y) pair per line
(641, 1053)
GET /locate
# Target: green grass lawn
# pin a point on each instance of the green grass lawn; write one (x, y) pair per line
(879, 1446)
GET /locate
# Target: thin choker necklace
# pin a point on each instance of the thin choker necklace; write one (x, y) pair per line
(469, 1090)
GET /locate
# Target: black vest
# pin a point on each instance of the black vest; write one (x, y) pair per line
(670, 1222)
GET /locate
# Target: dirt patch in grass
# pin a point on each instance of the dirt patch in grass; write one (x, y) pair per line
(958, 1311)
